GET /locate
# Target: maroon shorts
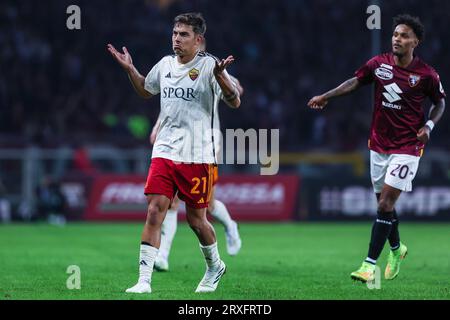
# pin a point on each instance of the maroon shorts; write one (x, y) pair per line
(193, 181)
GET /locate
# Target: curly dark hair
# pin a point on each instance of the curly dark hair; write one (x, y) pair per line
(412, 22)
(194, 19)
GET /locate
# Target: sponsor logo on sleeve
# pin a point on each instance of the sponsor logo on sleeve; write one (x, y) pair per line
(384, 73)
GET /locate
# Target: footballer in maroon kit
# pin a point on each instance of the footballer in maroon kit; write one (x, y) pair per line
(399, 132)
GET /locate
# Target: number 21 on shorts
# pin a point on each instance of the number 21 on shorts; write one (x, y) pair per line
(197, 182)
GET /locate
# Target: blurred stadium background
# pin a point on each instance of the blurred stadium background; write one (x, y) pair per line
(74, 135)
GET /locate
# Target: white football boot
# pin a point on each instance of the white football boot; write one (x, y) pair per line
(211, 278)
(140, 287)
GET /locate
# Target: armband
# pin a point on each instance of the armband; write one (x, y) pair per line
(430, 124)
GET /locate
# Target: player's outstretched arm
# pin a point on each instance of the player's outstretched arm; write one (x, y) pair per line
(436, 112)
(126, 62)
(238, 85)
(319, 102)
(229, 91)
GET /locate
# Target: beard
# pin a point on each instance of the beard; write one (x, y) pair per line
(398, 53)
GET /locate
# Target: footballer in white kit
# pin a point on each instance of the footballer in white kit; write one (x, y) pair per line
(190, 84)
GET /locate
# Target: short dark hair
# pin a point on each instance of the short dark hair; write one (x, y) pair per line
(194, 19)
(412, 22)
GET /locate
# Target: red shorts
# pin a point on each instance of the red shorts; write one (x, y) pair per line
(193, 181)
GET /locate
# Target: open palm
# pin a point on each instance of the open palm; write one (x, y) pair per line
(222, 65)
(124, 59)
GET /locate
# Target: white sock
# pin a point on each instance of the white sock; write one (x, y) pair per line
(146, 261)
(168, 230)
(211, 254)
(222, 215)
(371, 261)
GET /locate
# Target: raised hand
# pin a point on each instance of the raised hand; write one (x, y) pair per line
(222, 65)
(124, 59)
(318, 102)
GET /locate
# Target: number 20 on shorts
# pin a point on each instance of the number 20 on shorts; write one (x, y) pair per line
(401, 170)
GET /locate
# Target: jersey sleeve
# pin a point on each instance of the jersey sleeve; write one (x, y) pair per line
(365, 74)
(153, 79)
(435, 90)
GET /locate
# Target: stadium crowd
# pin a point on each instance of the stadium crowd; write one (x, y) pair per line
(60, 86)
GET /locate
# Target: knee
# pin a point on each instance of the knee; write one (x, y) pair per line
(385, 205)
(154, 215)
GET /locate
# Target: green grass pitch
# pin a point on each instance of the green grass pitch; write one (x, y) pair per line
(277, 261)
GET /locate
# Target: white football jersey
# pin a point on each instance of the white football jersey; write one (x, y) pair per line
(190, 96)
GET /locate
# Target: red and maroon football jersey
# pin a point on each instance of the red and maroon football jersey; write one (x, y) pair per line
(399, 94)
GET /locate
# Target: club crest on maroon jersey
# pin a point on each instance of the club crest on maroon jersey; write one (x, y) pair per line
(413, 80)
